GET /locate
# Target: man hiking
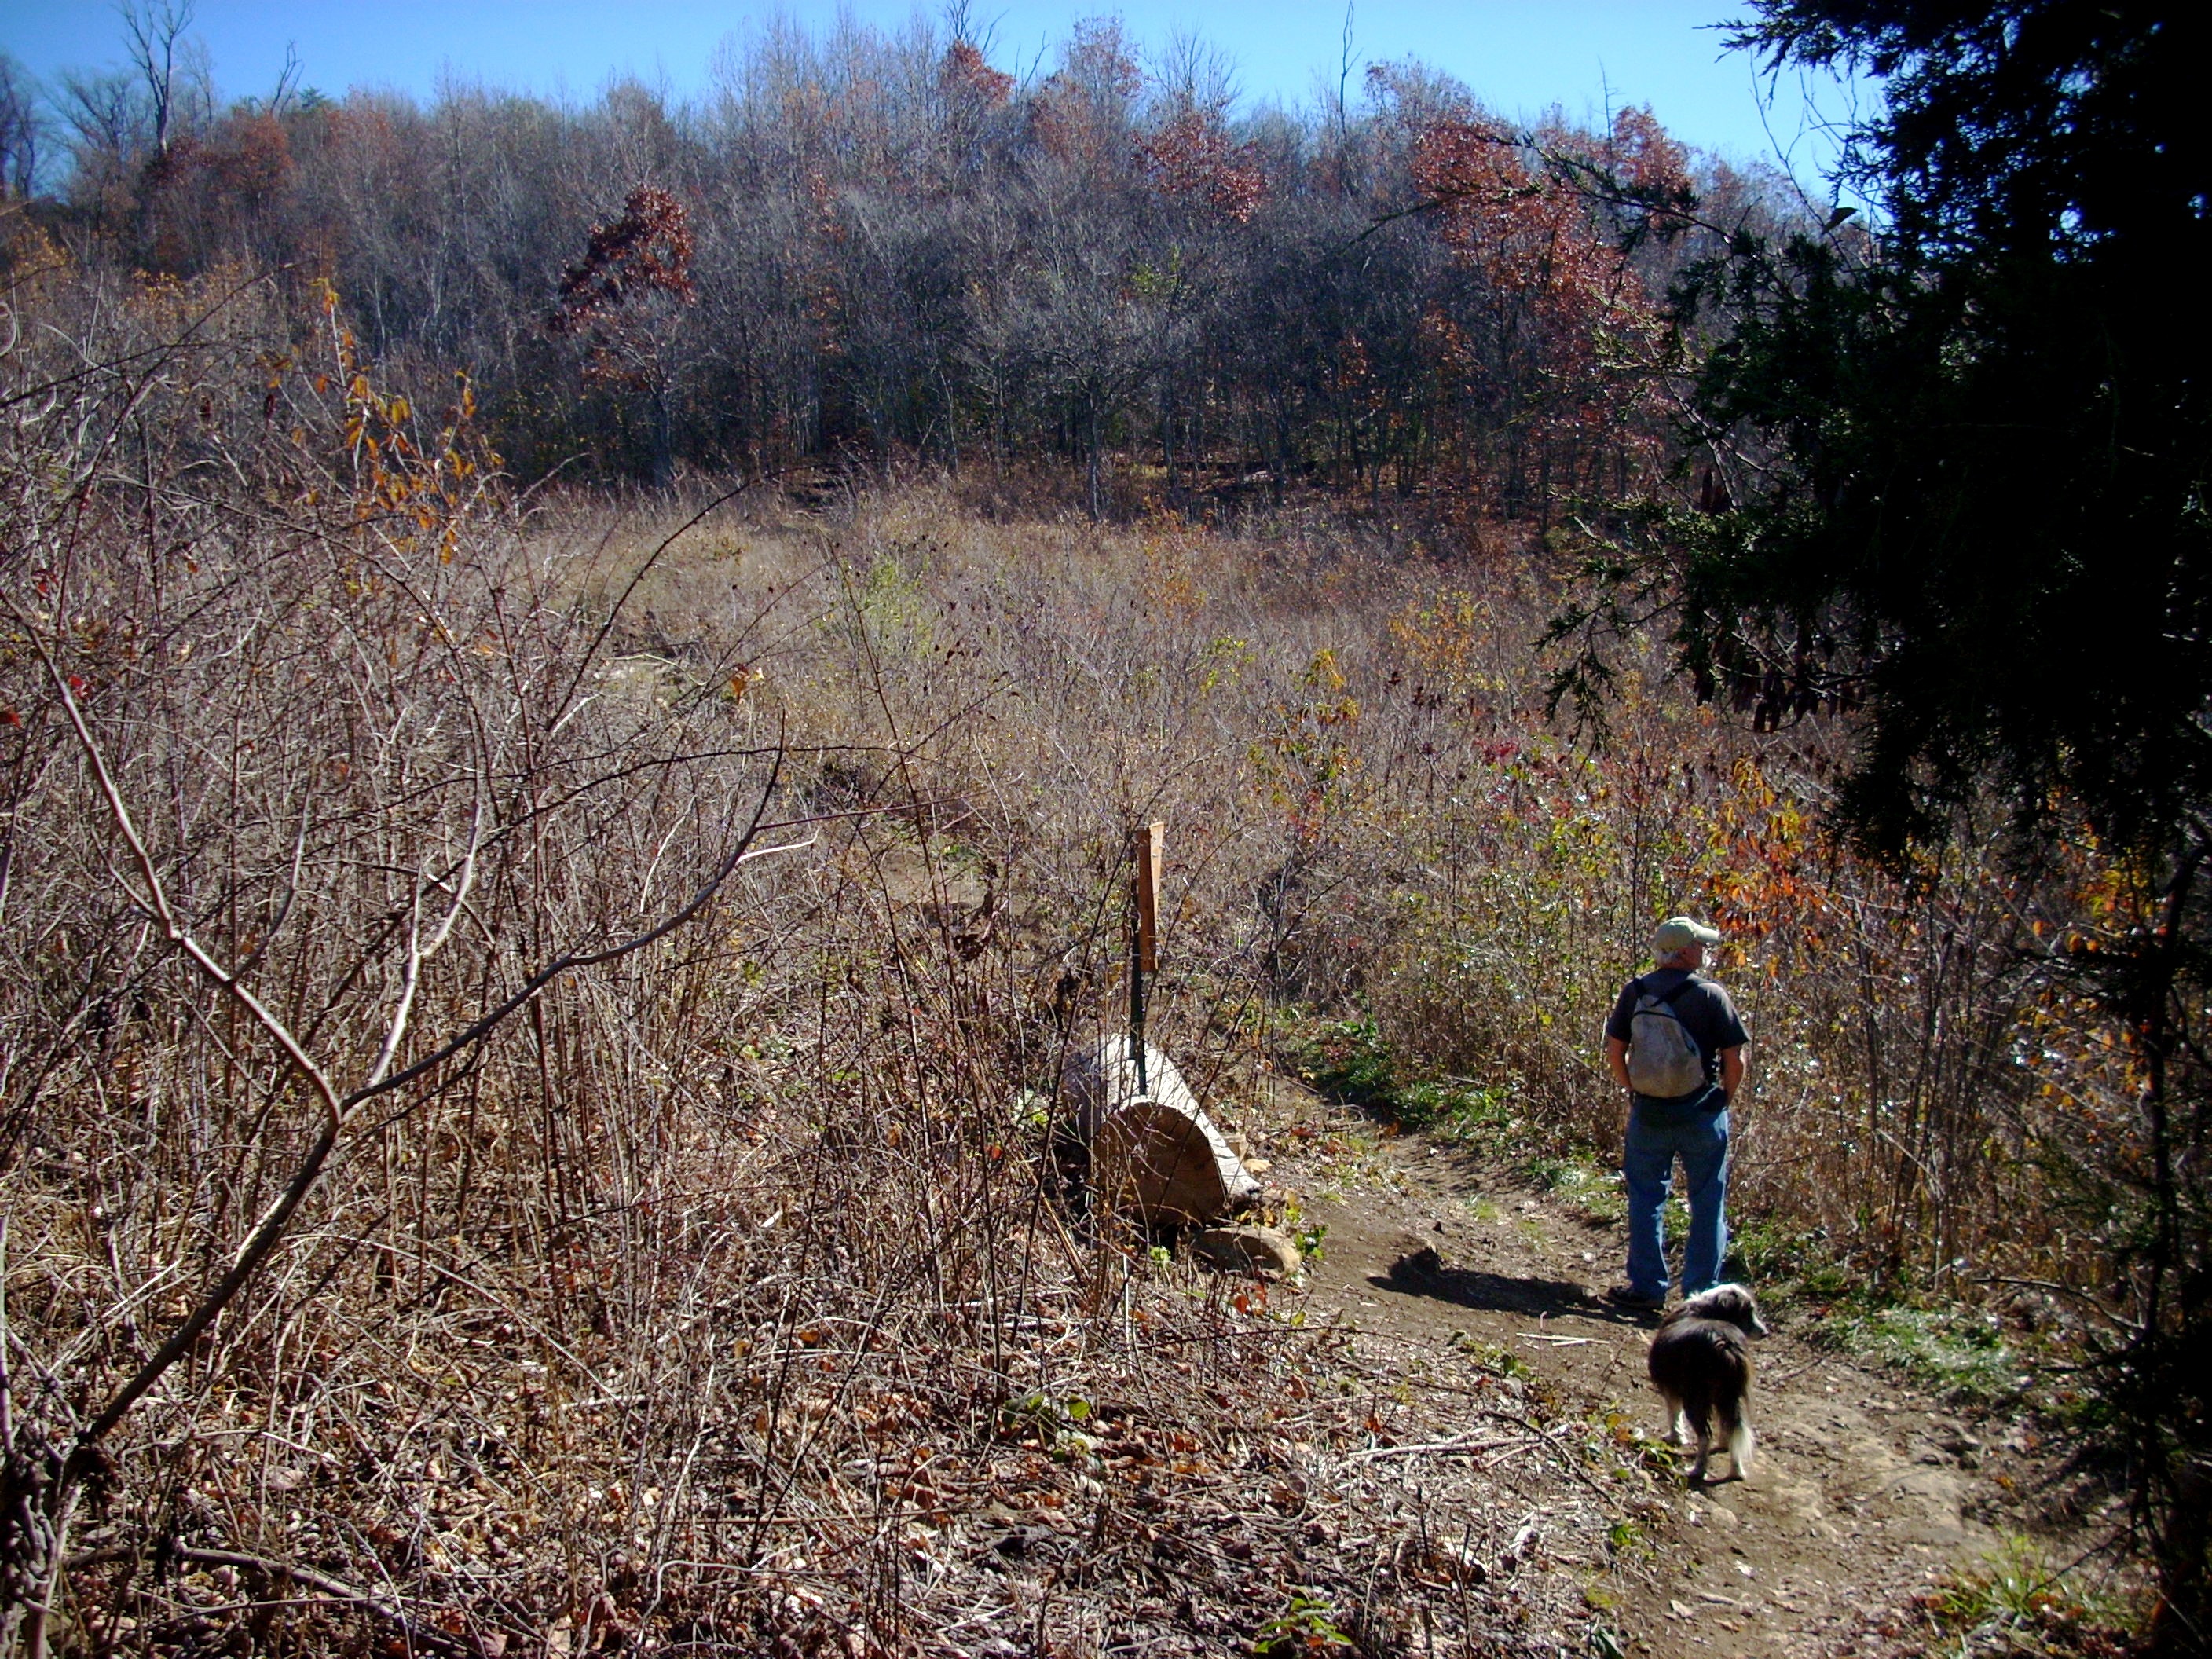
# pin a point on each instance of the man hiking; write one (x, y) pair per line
(1675, 1043)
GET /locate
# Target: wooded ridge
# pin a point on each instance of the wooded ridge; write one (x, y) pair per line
(876, 245)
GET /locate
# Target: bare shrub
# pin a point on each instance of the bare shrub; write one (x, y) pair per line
(710, 1292)
(455, 1193)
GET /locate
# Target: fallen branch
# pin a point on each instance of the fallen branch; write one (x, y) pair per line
(1466, 1444)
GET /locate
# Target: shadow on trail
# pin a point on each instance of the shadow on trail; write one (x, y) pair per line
(1423, 1273)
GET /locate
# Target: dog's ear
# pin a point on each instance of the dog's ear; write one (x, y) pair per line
(1746, 1309)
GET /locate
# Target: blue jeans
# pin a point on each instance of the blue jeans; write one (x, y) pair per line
(1657, 1136)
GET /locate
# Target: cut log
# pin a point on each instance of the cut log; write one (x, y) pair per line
(1154, 1153)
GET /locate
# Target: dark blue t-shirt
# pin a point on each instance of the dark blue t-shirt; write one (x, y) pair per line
(1704, 1008)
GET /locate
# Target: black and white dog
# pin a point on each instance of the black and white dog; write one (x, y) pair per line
(1701, 1365)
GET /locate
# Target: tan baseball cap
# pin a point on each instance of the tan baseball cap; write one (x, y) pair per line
(1680, 933)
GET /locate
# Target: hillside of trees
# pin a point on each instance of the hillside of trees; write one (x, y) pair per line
(869, 245)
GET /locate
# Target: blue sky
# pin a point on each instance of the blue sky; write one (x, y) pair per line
(1520, 58)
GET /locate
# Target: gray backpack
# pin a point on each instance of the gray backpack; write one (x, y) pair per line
(1663, 1061)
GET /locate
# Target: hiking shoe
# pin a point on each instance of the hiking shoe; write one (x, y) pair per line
(1627, 1296)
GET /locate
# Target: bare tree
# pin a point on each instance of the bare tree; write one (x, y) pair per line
(153, 32)
(106, 122)
(19, 128)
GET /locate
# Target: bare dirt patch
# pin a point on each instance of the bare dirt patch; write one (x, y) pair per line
(1865, 1492)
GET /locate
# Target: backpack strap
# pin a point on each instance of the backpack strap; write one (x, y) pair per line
(1671, 1000)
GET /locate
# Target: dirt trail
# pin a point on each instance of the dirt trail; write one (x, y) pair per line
(1863, 1491)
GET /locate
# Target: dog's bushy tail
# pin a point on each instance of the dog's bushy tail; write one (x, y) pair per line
(1741, 1441)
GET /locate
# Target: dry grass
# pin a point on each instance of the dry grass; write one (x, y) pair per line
(722, 1294)
(714, 1293)
(1369, 813)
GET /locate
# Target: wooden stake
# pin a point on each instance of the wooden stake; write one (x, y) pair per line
(1152, 853)
(1147, 852)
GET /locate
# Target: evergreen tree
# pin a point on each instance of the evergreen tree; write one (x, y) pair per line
(1957, 468)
